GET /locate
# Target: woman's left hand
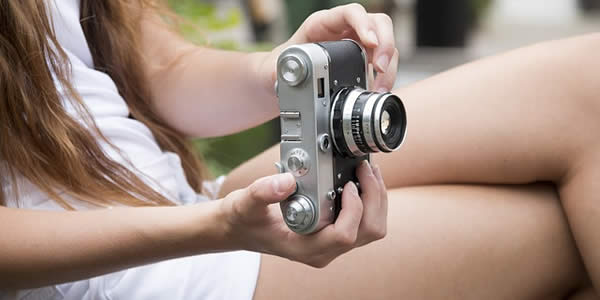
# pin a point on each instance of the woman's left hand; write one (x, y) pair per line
(374, 31)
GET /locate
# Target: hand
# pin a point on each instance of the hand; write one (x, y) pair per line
(374, 31)
(255, 222)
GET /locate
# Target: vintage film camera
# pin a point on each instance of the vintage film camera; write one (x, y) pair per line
(330, 122)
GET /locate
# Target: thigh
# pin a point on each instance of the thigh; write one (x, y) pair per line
(447, 242)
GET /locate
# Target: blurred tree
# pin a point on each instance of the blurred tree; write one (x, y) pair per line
(443, 23)
(447, 23)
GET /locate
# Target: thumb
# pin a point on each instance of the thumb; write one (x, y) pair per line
(272, 189)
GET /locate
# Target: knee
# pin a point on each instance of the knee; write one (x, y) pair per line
(576, 80)
(581, 76)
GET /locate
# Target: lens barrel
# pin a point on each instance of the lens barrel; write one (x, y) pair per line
(365, 122)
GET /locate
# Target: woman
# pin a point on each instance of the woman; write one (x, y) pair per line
(97, 97)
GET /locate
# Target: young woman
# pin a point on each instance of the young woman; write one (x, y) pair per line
(97, 97)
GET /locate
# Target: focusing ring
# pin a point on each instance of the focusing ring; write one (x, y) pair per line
(359, 130)
(341, 123)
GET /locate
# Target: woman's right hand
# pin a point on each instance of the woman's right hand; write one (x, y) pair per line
(254, 220)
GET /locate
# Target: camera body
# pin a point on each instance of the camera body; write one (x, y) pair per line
(330, 123)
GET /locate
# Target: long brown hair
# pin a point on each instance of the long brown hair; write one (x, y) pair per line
(39, 140)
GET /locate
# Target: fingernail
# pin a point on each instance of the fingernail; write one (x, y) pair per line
(377, 171)
(352, 188)
(382, 63)
(382, 90)
(372, 37)
(368, 166)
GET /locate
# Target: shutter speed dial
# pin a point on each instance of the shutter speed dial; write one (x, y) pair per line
(298, 162)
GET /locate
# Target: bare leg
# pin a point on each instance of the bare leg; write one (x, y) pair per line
(529, 115)
(447, 242)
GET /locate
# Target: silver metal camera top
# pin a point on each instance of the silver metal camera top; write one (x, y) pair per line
(304, 93)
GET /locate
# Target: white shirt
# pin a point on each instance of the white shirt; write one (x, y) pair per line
(230, 275)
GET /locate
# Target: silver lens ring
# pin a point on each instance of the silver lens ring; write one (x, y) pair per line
(377, 123)
(355, 122)
(366, 122)
(347, 121)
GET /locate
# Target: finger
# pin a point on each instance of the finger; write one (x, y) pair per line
(384, 82)
(271, 189)
(379, 177)
(382, 187)
(370, 76)
(371, 191)
(354, 16)
(384, 29)
(344, 232)
(374, 222)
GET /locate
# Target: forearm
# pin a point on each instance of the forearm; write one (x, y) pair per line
(41, 248)
(201, 91)
(209, 92)
(524, 116)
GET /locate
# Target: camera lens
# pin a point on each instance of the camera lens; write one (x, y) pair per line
(365, 122)
(385, 122)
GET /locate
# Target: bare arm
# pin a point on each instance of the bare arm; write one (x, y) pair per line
(202, 91)
(206, 92)
(41, 248)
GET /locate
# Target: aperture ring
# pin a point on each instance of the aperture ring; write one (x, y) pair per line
(367, 124)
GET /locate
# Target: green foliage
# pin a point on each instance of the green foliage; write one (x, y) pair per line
(201, 18)
(205, 15)
(225, 153)
(480, 6)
